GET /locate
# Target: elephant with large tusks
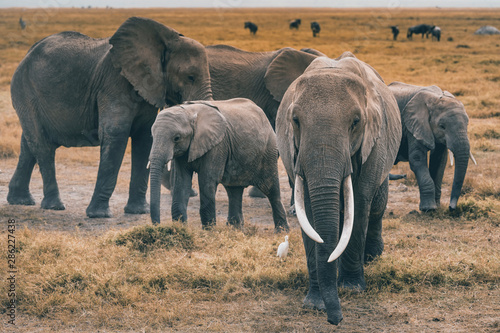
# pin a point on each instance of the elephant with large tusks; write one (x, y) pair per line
(339, 130)
(224, 142)
(73, 90)
(433, 120)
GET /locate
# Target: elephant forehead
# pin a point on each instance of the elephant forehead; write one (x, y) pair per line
(335, 85)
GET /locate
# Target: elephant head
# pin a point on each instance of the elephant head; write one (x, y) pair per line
(436, 118)
(184, 130)
(164, 67)
(338, 127)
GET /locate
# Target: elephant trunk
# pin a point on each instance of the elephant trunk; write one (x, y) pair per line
(156, 172)
(325, 208)
(461, 152)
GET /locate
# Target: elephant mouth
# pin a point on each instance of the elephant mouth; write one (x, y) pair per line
(175, 99)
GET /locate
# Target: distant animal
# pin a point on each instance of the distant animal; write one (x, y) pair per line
(395, 32)
(283, 249)
(315, 28)
(251, 26)
(228, 142)
(436, 33)
(423, 29)
(294, 24)
(22, 23)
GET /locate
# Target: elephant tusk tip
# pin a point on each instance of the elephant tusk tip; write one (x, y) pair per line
(149, 164)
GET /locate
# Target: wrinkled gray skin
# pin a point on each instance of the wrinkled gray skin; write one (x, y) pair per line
(338, 119)
(433, 120)
(238, 73)
(72, 90)
(225, 142)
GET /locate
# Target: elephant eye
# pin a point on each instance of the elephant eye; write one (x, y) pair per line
(355, 122)
(191, 78)
(296, 121)
(177, 138)
(441, 126)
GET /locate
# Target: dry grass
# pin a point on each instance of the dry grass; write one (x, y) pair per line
(439, 271)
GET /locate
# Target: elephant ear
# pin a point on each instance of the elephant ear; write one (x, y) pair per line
(139, 49)
(209, 129)
(284, 69)
(416, 117)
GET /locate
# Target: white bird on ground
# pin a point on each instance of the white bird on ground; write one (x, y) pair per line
(283, 249)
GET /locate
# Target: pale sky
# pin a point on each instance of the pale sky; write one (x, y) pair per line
(249, 3)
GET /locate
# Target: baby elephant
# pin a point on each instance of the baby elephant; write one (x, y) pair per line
(229, 142)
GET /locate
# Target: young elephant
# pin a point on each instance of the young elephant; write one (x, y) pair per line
(229, 142)
(433, 120)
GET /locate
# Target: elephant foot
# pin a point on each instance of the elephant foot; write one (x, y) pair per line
(373, 249)
(281, 227)
(314, 301)
(98, 210)
(254, 192)
(25, 199)
(427, 206)
(353, 284)
(53, 203)
(139, 207)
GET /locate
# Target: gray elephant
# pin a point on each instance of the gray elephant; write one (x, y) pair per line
(238, 73)
(72, 90)
(433, 120)
(225, 142)
(338, 129)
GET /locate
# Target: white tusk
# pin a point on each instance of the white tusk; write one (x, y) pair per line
(301, 214)
(472, 158)
(348, 220)
(451, 157)
(149, 163)
(169, 165)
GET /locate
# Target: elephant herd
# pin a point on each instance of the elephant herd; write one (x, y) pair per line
(226, 115)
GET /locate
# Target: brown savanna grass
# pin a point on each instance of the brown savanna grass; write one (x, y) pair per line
(439, 272)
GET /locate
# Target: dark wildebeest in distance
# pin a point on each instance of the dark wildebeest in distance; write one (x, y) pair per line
(423, 29)
(436, 33)
(294, 24)
(251, 26)
(22, 23)
(315, 28)
(395, 32)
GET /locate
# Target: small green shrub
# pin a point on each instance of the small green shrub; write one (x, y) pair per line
(147, 238)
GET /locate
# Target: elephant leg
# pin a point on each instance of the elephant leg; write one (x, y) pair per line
(112, 151)
(208, 189)
(19, 192)
(374, 243)
(351, 272)
(141, 146)
(273, 194)
(181, 185)
(437, 165)
(235, 198)
(313, 299)
(46, 156)
(418, 164)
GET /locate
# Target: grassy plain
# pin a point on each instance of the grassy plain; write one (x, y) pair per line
(439, 272)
